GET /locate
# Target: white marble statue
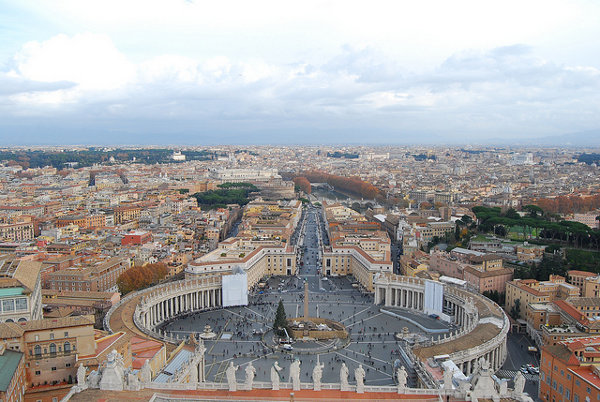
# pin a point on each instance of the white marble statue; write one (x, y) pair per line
(317, 374)
(448, 379)
(275, 378)
(194, 372)
(231, 380)
(519, 384)
(295, 375)
(81, 376)
(359, 375)
(250, 373)
(113, 375)
(402, 378)
(133, 382)
(344, 377)
(93, 379)
(146, 373)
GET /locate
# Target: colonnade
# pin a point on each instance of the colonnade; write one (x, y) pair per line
(456, 311)
(460, 305)
(495, 357)
(405, 298)
(179, 298)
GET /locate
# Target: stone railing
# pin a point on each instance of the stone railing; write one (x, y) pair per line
(485, 347)
(241, 386)
(158, 294)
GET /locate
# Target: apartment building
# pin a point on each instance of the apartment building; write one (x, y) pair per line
(526, 291)
(82, 221)
(17, 230)
(570, 370)
(50, 346)
(98, 276)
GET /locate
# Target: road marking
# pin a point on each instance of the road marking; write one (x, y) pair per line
(366, 319)
(354, 315)
(255, 312)
(512, 373)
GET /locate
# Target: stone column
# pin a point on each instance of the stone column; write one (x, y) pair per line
(388, 297)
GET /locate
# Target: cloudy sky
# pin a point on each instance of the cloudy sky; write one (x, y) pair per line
(211, 72)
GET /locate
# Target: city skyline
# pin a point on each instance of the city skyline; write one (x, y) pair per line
(194, 74)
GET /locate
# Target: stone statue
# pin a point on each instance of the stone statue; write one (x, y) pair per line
(275, 378)
(448, 379)
(344, 377)
(133, 382)
(93, 380)
(81, 376)
(402, 379)
(317, 374)
(295, 375)
(359, 374)
(113, 375)
(250, 373)
(194, 372)
(519, 384)
(464, 386)
(231, 381)
(146, 373)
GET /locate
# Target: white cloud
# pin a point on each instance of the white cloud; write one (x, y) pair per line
(89, 60)
(506, 88)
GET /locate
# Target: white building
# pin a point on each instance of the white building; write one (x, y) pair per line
(20, 290)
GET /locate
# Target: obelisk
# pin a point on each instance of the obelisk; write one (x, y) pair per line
(305, 300)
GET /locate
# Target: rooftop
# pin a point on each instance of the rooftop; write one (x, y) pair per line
(9, 363)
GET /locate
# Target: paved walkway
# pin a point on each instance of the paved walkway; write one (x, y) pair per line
(122, 320)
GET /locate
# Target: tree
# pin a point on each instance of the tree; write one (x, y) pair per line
(500, 230)
(512, 214)
(533, 210)
(515, 311)
(303, 184)
(280, 319)
(141, 277)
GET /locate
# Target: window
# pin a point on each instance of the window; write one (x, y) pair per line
(8, 305)
(37, 350)
(67, 347)
(68, 365)
(53, 368)
(51, 336)
(66, 334)
(21, 303)
(37, 372)
(52, 349)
